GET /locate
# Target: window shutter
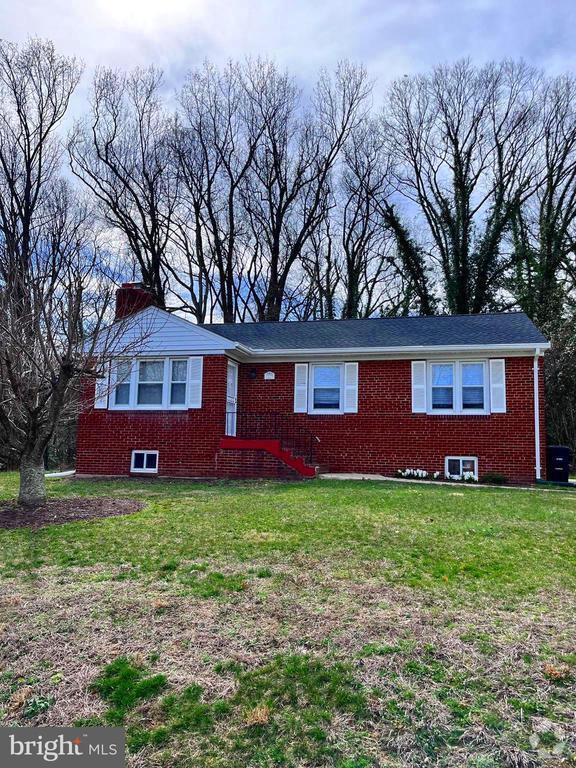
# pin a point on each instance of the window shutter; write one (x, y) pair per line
(300, 387)
(102, 389)
(418, 386)
(497, 386)
(350, 387)
(195, 368)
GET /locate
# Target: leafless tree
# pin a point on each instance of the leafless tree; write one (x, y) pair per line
(288, 184)
(64, 295)
(189, 265)
(464, 140)
(216, 142)
(45, 263)
(320, 285)
(370, 280)
(351, 261)
(35, 88)
(122, 152)
(189, 261)
(560, 373)
(544, 228)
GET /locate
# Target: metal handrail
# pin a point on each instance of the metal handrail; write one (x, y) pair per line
(275, 426)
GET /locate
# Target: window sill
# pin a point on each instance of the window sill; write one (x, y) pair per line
(458, 413)
(163, 408)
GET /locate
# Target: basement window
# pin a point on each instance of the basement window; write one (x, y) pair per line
(144, 461)
(461, 467)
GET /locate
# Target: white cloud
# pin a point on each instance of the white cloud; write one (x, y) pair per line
(391, 37)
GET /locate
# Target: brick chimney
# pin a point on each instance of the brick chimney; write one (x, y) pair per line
(132, 298)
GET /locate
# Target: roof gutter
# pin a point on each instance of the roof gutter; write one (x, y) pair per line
(420, 349)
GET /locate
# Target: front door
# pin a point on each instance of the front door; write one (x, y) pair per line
(231, 398)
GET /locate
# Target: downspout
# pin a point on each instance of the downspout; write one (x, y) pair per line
(537, 416)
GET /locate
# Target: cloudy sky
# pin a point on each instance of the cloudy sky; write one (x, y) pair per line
(391, 37)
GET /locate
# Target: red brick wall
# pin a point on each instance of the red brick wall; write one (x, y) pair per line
(252, 464)
(187, 441)
(385, 435)
(382, 437)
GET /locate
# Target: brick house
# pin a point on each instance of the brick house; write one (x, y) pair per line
(448, 394)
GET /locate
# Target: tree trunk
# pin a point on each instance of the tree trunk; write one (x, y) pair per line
(412, 261)
(272, 310)
(32, 481)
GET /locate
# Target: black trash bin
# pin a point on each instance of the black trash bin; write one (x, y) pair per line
(559, 463)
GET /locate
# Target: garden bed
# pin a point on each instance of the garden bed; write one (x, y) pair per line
(57, 511)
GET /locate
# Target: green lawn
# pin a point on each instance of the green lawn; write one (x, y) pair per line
(326, 623)
(489, 539)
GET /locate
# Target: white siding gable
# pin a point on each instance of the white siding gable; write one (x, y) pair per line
(156, 332)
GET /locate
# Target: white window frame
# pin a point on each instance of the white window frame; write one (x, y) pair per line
(178, 406)
(441, 411)
(457, 408)
(114, 382)
(144, 470)
(165, 405)
(485, 386)
(325, 411)
(461, 459)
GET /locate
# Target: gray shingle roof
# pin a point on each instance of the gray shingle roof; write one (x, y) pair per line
(444, 330)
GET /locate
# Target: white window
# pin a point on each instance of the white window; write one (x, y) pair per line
(473, 380)
(150, 382)
(457, 387)
(144, 461)
(178, 377)
(442, 386)
(122, 373)
(326, 388)
(459, 467)
(156, 384)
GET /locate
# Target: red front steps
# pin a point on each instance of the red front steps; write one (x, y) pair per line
(274, 448)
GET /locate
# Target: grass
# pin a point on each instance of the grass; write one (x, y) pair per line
(488, 539)
(278, 713)
(123, 684)
(319, 624)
